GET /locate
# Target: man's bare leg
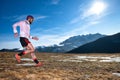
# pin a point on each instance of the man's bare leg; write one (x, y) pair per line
(34, 56)
(32, 53)
(30, 49)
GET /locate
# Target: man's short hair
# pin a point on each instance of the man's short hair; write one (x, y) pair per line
(29, 16)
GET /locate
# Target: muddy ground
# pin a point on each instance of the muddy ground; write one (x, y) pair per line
(56, 68)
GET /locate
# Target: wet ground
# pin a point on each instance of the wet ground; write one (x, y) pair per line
(61, 67)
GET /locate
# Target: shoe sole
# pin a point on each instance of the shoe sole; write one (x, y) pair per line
(17, 59)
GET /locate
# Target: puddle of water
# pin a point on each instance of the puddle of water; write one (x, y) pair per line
(68, 60)
(105, 61)
(100, 58)
(117, 74)
(26, 59)
(55, 56)
(115, 59)
(26, 64)
(92, 58)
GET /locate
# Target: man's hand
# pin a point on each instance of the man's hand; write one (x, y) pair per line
(15, 34)
(35, 38)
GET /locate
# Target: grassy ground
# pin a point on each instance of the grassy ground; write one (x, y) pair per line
(56, 69)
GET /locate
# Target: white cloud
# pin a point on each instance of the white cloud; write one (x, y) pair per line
(47, 40)
(75, 20)
(14, 18)
(50, 36)
(23, 17)
(82, 29)
(97, 8)
(17, 18)
(41, 31)
(94, 22)
(89, 14)
(55, 2)
(37, 17)
(10, 44)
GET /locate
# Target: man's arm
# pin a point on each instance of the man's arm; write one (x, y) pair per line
(15, 29)
(35, 38)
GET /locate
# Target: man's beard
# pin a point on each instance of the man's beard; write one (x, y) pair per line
(30, 22)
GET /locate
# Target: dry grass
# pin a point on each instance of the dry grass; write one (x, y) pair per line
(53, 69)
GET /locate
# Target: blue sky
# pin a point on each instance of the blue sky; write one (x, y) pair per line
(57, 20)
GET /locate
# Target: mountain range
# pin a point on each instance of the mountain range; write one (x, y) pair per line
(107, 44)
(70, 43)
(10, 50)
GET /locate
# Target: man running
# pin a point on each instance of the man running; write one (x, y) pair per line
(24, 36)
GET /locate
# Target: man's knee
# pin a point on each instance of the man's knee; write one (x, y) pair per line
(32, 50)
